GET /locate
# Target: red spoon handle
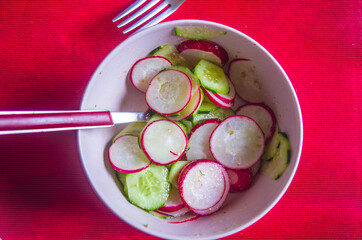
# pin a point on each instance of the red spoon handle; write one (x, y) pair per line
(19, 122)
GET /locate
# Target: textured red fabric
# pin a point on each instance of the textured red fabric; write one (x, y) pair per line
(49, 50)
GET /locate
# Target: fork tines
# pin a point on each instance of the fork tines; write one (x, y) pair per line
(161, 7)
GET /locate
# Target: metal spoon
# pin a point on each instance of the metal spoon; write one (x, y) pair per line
(12, 122)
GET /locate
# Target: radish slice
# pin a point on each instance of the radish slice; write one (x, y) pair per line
(221, 202)
(237, 143)
(262, 115)
(255, 168)
(183, 170)
(191, 107)
(145, 69)
(125, 155)
(174, 202)
(169, 92)
(240, 179)
(199, 140)
(215, 100)
(163, 142)
(184, 218)
(202, 184)
(177, 213)
(227, 98)
(193, 51)
(244, 76)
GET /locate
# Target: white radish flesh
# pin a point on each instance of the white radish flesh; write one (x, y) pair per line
(174, 202)
(215, 100)
(145, 69)
(163, 142)
(125, 155)
(202, 185)
(191, 107)
(256, 167)
(169, 92)
(199, 140)
(184, 218)
(237, 143)
(221, 202)
(227, 98)
(180, 212)
(243, 74)
(262, 115)
(193, 51)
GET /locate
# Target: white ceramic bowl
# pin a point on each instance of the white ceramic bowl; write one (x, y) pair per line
(109, 89)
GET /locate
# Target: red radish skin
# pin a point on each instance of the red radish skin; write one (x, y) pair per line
(238, 142)
(177, 213)
(128, 163)
(182, 171)
(227, 98)
(262, 115)
(157, 100)
(174, 202)
(215, 100)
(142, 84)
(183, 219)
(221, 202)
(199, 140)
(205, 189)
(152, 158)
(191, 107)
(206, 121)
(240, 180)
(206, 47)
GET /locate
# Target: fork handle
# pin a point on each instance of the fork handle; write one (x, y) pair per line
(23, 122)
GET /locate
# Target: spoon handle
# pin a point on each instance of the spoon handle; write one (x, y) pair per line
(43, 121)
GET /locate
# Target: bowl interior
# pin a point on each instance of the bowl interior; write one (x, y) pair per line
(110, 89)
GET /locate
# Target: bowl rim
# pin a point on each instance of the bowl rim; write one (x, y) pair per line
(227, 28)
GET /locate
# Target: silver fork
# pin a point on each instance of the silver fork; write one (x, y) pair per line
(169, 6)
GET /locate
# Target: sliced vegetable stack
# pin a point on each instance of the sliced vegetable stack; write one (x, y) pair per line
(196, 148)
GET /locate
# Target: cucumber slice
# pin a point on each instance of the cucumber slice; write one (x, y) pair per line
(212, 77)
(188, 125)
(207, 106)
(182, 126)
(198, 33)
(131, 129)
(276, 167)
(194, 80)
(122, 178)
(155, 117)
(191, 107)
(160, 215)
(218, 113)
(170, 52)
(272, 146)
(149, 189)
(174, 171)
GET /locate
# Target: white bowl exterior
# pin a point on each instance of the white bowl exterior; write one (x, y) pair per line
(110, 88)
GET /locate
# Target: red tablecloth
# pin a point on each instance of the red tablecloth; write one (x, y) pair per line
(49, 50)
